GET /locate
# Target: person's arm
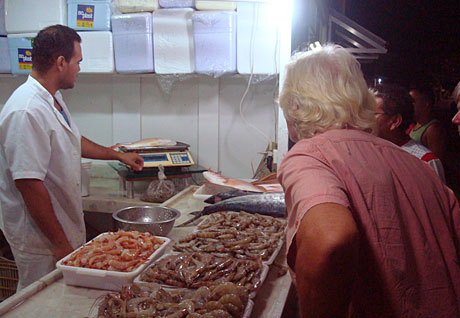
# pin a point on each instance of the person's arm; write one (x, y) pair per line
(92, 150)
(434, 139)
(326, 244)
(38, 203)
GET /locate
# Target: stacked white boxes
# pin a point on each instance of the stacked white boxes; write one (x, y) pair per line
(97, 51)
(2, 18)
(20, 48)
(177, 3)
(130, 6)
(133, 42)
(26, 16)
(5, 63)
(173, 41)
(257, 41)
(214, 5)
(214, 35)
(89, 15)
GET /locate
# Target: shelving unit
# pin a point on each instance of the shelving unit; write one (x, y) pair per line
(198, 109)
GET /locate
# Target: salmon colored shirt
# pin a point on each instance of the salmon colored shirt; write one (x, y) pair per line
(409, 222)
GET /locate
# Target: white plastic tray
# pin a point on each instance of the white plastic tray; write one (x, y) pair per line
(263, 276)
(104, 279)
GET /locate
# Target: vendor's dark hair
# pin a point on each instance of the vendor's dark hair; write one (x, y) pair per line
(50, 43)
(396, 100)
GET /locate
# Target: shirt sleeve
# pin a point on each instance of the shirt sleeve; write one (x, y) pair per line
(307, 180)
(27, 146)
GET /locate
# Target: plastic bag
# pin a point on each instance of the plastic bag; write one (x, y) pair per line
(159, 190)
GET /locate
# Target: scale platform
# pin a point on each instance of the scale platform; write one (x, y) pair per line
(167, 156)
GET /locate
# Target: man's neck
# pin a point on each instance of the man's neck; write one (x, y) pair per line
(46, 81)
(423, 119)
(399, 138)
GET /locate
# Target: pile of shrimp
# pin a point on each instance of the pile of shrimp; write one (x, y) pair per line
(244, 222)
(204, 269)
(226, 300)
(121, 251)
(241, 235)
(229, 243)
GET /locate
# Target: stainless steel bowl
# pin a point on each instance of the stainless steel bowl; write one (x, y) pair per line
(154, 219)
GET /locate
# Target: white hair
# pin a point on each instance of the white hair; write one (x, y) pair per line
(325, 89)
(456, 93)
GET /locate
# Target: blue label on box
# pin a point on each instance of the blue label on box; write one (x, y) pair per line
(85, 16)
(25, 59)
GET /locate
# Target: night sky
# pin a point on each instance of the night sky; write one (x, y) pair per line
(423, 38)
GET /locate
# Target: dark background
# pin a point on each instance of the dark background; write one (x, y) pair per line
(423, 38)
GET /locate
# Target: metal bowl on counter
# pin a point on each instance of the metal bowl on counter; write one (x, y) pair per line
(157, 220)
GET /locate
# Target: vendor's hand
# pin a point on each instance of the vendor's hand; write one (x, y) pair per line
(132, 159)
(62, 251)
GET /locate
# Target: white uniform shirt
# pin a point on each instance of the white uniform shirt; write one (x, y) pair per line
(423, 153)
(37, 143)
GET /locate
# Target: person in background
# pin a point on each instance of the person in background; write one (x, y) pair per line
(394, 114)
(427, 131)
(456, 98)
(372, 230)
(40, 154)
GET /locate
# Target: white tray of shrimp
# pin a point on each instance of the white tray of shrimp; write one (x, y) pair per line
(112, 278)
(177, 284)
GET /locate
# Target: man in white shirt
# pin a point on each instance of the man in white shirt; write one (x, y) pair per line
(394, 113)
(40, 153)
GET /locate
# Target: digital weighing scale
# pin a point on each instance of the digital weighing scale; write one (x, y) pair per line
(167, 156)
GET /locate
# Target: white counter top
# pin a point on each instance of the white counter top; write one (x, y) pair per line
(50, 297)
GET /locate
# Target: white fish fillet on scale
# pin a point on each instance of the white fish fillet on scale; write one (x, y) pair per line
(217, 178)
(148, 142)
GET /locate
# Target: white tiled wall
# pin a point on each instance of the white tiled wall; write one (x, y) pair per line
(199, 110)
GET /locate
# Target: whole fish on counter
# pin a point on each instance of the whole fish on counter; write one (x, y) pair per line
(271, 204)
(147, 142)
(228, 195)
(218, 178)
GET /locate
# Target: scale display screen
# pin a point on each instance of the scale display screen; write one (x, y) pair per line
(148, 158)
(167, 159)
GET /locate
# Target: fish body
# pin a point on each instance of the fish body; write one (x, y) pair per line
(148, 142)
(217, 178)
(271, 204)
(228, 195)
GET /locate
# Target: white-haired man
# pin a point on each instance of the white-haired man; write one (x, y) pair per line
(372, 230)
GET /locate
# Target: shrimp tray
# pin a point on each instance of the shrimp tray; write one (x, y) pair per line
(107, 279)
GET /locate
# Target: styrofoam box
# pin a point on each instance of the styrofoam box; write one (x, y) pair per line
(2, 18)
(177, 3)
(102, 279)
(130, 6)
(257, 42)
(89, 15)
(25, 16)
(173, 41)
(214, 5)
(214, 33)
(20, 47)
(5, 63)
(97, 51)
(133, 42)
